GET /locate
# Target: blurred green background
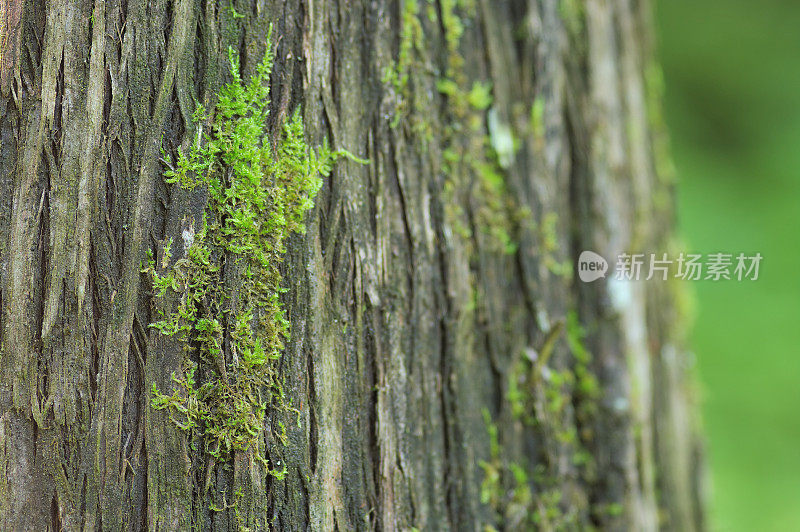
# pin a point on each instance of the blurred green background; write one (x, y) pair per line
(732, 73)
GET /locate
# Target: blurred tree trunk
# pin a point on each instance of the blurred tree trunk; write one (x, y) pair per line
(437, 356)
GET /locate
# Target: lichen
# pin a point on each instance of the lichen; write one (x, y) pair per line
(233, 331)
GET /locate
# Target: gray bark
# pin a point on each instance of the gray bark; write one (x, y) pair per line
(425, 282)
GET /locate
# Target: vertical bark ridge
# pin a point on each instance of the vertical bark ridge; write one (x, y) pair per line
(436, 356)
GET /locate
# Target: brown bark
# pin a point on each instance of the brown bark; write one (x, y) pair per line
(503, 138)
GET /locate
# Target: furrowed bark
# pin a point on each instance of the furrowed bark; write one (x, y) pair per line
(432, 301)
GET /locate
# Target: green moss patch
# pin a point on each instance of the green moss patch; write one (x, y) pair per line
(227, 283)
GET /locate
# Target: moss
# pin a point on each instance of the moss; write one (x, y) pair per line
(587, 391)
(547, 514)
(453, 29)
(664, 165)
(480, 96)
(467, 149)
(613, 509)
(550, 247)
(398, 75)
(537, 119)
(476, 143)
(520, 498)
(506, 487)
(232, 10)
(233, 331)
(573, 13)
(559, 405)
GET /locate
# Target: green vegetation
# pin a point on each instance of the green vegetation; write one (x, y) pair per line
(398, 75)
(473, 144)
(227, 281)
(505, 487)
(476, 143)
(556, 404)
(550, 247)
(539, 394)
(573, 14)
(537, 119)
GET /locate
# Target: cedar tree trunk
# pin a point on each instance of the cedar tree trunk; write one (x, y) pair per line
(445, 368)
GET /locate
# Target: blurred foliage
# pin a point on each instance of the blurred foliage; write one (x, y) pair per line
(733, 106)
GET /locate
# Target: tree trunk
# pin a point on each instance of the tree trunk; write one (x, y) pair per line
(445, 369)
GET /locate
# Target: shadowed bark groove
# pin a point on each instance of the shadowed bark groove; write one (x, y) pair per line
(449, 371)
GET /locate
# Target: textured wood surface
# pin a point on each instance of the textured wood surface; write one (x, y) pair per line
(503, 138)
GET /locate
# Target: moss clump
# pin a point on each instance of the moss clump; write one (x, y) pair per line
(227, 283)
(478, 148)
(560, 406)
(474, 165)
(398, 74)
(537, 119)
(573, 13)
(587, 386)
(550, 247)
(505, 487)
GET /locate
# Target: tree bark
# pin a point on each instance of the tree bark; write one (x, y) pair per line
(446, 368)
